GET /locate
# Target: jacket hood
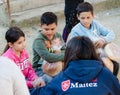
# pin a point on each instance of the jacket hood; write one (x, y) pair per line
(83, 70)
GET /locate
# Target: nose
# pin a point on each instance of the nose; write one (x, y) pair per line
(50, 31)
(24, 44)
(85, 20)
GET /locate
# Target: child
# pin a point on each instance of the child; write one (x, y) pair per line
(83, 73)
(15, 50)
(42, 45)
(92, 29)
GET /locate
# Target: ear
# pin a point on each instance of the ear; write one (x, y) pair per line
(10, 44)
(39, 25)
(78, 17)
(93, 15)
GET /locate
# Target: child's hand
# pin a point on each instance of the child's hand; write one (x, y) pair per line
(99, 43)
(56, 45)
(39, 82)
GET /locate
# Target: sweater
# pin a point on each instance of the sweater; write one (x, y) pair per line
(41, 52)
(96, 31)
(83, 77)
(24, 65)
(12, 81)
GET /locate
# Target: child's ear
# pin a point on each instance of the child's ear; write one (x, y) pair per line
(93, 15)
(39, 25)
(10, 44)
(78, 17)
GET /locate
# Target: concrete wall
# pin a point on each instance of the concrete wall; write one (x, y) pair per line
(22, 5)
(26, 9)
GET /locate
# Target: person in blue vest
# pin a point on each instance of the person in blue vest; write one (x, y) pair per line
(83, 74)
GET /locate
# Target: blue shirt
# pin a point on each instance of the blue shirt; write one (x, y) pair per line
(96, 31)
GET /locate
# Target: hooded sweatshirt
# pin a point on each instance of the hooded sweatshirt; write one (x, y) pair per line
(83, 77)
(41, 52)
(24, 65)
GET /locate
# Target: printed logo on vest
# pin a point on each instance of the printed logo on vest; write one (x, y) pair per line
(94, 80)
(65, 85)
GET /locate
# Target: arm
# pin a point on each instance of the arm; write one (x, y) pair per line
(106, 34)
(50, 89)
(111, 82)
(20, 87)
(31, 75)
(43, 52)
(75, 32)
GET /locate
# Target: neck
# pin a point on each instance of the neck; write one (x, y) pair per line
(16, 52)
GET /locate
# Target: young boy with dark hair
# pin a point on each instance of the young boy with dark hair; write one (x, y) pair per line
(42, 45)
(89, 27)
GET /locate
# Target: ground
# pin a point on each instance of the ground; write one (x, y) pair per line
(109, 18)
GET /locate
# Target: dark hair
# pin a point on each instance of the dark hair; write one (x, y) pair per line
(12, 35)
(48, 18)
(80, 48)
(84, 7)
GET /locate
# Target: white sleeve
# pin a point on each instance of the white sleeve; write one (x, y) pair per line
(20, 86)
(11, 78)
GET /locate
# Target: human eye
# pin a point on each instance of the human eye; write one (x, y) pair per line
(88, 17)
(20, 42)
(46, 29)
(53, 29)
(82, 17)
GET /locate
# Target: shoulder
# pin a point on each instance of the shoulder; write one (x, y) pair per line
(57, 34)
(77, 26)
(9, 54)
(9, 65)
(39, 39)
(96, 23)
(58, 80)
(106, 76)
(12, 76)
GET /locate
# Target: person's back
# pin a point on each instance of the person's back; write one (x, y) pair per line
(12, 81)
(83, 73)
(93, 78)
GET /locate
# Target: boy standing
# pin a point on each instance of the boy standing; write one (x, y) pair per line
(42, 45)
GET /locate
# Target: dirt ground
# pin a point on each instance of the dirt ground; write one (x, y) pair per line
(109, 18)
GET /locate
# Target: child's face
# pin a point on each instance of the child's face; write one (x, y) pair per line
(85, 19)
(49, 30)
(19, 45)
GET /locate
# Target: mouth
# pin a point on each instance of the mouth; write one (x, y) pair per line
(50, 36)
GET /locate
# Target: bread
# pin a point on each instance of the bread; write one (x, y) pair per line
(113, 52)
(52, 69)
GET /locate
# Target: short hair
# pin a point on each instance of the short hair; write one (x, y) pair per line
(13, 34)
(48, 18)
(80, 48)
(84, 7)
